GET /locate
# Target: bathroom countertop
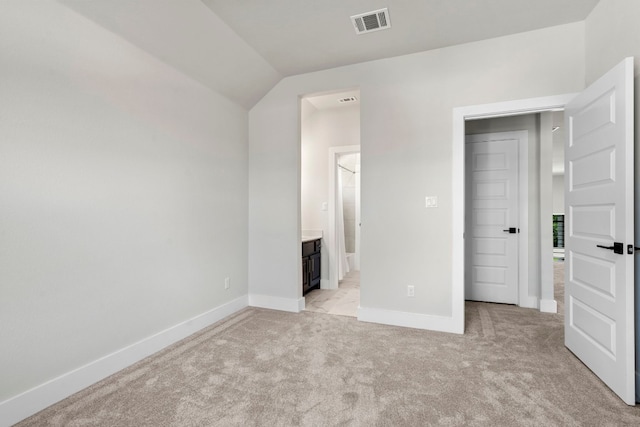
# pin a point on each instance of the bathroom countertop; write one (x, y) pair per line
(310, 237)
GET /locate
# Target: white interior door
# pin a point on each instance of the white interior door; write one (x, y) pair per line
(492, 218)
(599, 292)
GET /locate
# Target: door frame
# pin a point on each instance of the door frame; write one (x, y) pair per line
(331, 240)
(460, 115)
(522, 297)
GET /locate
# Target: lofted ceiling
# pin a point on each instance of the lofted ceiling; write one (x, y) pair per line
(242, 48)
(300, 36)
(187, 36)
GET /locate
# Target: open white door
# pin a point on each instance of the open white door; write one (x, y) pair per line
(599, 270)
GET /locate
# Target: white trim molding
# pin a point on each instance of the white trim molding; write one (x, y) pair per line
(460, 115)
(409, 320)
(38, 398)
(293, 305)
(548, 306)
(528, 301)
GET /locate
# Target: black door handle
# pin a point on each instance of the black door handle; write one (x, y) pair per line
(511, 230)
(617, 248)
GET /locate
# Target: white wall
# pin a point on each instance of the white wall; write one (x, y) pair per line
(613, 33)
(123, 194)
(406, 134)
(558, 194)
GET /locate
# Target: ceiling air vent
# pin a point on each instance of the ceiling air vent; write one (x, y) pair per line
(371, 21)
(347, 99)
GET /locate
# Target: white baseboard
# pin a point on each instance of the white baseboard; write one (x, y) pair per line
(409, 320)
(529, 302)
(32, 401)
(548, 306)
(294, 305)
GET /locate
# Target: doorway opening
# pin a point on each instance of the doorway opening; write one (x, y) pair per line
(347, 208)
(330, 198)
(515, 258)
(460, 116)
(540, 232)
(557, 184)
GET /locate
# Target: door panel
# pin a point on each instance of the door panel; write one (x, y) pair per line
(593, 221)
(492, 200)
(599, 291)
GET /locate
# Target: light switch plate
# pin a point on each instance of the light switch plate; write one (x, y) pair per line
(431, 201)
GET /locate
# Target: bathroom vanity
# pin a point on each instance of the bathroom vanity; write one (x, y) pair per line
(311, 264)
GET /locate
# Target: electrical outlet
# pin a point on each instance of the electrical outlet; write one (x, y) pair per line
(431, 201)
(226, 283)
(411, 291)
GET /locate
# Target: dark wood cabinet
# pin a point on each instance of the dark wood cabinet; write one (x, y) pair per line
(311, 265)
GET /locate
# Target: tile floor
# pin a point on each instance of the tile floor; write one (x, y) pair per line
(343, 301)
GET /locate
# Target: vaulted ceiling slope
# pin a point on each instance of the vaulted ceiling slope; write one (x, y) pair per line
(242, 48)
(299, 36)
(189, 37)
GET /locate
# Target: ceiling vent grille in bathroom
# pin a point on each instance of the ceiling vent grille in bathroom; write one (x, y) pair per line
(347, 99)
(371, 21)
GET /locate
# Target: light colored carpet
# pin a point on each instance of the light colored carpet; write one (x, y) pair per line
(269, 368)
(343, 301)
